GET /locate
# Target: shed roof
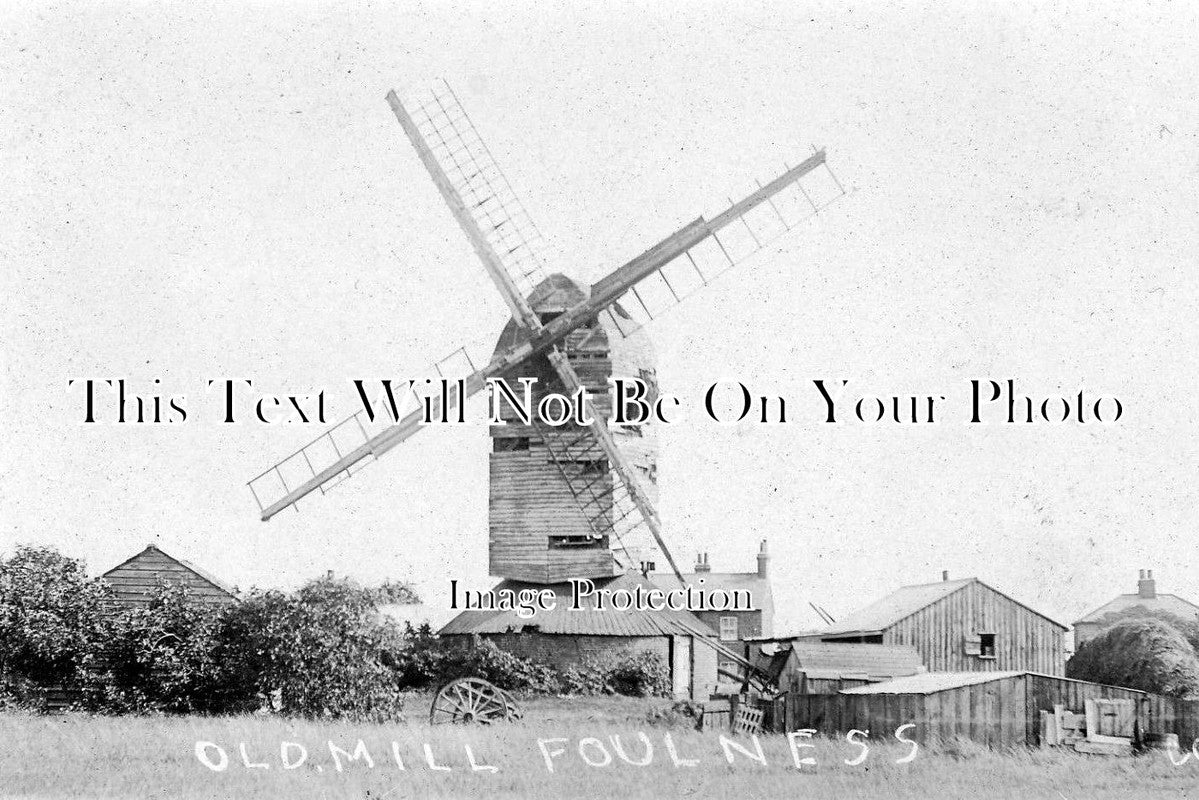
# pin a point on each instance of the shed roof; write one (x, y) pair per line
(1170, 603)
(832, 661)
(587, 621)
(905, 601)
(931, 682)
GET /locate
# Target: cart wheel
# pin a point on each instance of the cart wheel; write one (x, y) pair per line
(473, 700)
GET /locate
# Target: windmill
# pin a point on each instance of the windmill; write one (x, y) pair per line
(571, 501)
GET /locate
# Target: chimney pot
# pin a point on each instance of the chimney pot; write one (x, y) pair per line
(1146, 586)
(763, 561)
(944, 575)
(701, 564)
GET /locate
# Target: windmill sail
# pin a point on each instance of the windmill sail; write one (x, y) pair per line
(348, 446)
(476, 190)
(495, 222)
(732, 237)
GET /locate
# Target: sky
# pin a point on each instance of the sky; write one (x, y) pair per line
(217, 191)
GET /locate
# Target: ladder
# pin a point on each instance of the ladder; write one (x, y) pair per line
(600, 495)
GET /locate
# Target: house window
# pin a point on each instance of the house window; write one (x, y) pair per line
(986, 645)
(728, 629)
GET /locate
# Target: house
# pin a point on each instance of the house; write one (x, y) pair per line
(135, 580)
(958, 626)
(1146, 598)
(814, 667)
(563, 636)
(735, 627)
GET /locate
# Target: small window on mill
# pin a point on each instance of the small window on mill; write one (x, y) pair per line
(986, 645)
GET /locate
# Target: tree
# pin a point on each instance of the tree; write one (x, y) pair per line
(53, 622)
(396, 593)
(1139, 653)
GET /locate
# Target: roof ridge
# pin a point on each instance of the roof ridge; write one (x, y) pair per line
(938, 583)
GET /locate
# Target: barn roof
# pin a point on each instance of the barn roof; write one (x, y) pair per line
(903, 603)
(1169, 603)
(900, 604)
(589, 621)
(932, 682)
(190, 567)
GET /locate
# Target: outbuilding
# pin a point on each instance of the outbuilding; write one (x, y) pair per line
(995, 709)
(958, 626)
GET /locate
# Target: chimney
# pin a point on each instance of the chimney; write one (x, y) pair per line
(944, 575)
(1146, 586)
(763, 560)
(328, 574)
(701, 563)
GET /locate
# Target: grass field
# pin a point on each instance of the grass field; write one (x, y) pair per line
(81, 756)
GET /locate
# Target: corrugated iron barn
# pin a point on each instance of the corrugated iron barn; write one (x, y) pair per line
(564, 636)
(135, 580)
(959, 626)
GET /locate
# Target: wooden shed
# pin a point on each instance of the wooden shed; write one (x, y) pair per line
(998, 709)
(135, 580)
(808, 667)
(959, 626)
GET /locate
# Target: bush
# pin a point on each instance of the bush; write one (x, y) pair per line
(321, 651)
(508, 671)
(417, 657)
(163, 657)
(640, 674)
(1145, 654)
(424, 661)
(52, 623)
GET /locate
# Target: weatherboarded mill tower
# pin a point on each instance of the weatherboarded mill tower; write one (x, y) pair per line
(538, 530)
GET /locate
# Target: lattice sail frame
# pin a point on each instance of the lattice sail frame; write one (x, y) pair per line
(478, 179)
(358, 430)
(698, 266)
